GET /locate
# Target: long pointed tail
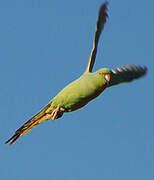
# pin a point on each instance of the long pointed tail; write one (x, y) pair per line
(33, 122)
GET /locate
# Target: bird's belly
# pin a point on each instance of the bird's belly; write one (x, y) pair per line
(75, 96)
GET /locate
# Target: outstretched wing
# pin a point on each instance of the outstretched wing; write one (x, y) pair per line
(102, 17)
(126, 74)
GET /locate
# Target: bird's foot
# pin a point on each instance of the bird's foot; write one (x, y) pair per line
(56, 113)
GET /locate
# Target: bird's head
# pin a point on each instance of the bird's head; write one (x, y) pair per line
(105, 74)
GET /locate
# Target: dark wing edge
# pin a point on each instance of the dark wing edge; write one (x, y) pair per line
(102, 18)
(126, 74)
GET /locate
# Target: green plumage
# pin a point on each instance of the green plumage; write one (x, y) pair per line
(87, 87)
(81, 91)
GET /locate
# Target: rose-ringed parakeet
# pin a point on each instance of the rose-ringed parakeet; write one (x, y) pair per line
(87, 87)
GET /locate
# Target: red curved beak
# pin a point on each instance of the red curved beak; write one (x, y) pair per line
(107, 77)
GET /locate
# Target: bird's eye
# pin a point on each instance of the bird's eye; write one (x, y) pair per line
(100, 73)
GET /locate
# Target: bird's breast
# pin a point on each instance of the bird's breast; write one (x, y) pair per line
(78, 93)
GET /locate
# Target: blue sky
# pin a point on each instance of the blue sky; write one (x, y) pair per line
(44, 46)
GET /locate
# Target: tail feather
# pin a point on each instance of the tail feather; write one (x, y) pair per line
(33, 122)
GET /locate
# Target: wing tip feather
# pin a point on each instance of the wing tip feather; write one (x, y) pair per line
(103, 11)
(142, 69)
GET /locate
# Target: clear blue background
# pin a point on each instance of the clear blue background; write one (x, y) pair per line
(44, 45)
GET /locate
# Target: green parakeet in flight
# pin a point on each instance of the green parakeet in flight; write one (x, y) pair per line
(87, 87)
